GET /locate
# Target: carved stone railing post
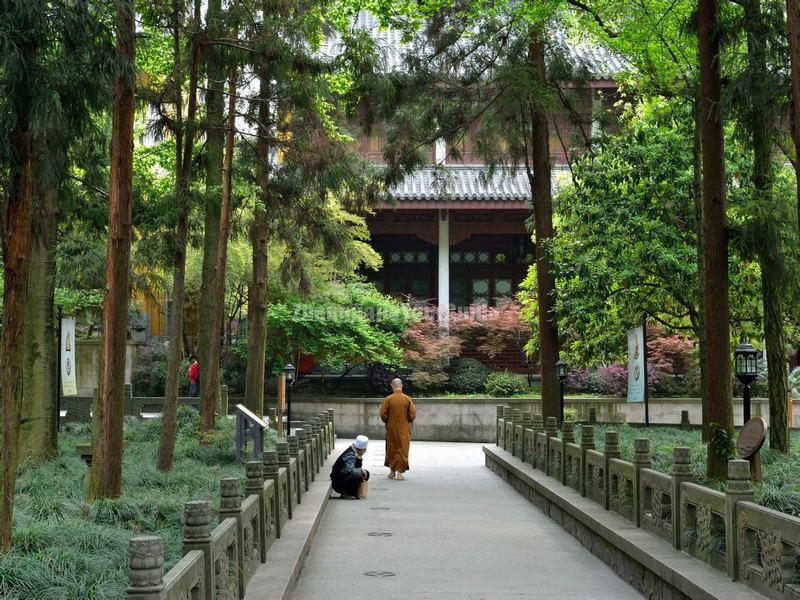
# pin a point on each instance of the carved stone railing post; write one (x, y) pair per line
(197, 536)
(497, 421)
(302, 439)
(299, 457)
(592, 415)
(508, 415)
(273, 419)
(685, 424)
(286, 461)
(146, 568)
(516, 430)
(739, 489)
(222, 407)
(326, 430)
(527, 437)
(611, 451)
(567, 437)
(314, 441)
(254, 485)
(230, 506)
(641, 460)
(551, 431)
(681, 471)
(332, 419)
(278, 475)
(587, 443)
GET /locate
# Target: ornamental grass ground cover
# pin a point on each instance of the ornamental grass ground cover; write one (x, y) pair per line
(68, 548)
(780, 489)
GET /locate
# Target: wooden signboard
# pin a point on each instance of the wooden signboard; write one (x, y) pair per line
(748, 446)
(281, 403)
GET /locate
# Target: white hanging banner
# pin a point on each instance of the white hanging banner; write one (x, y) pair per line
(69, 383)
(636, 358)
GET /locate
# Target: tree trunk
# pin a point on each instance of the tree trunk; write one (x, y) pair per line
(543, 222)
(715, 285)
(257, 297)
(183, 171)
(697, 190)
(105, 476)
(772, 295)
(16, 245)
(793, 33)
(39, 428)
(218, 298)
(762, 131)
(215, 141)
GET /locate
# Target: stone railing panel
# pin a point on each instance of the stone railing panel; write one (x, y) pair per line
(530, 447)
(769, 542)
(573, 467)
(555, 454)
(224, 550)
(595, 482)
(541, 451)
(620, 488)
(251, 539)
(702, 523)
(655, 503)
(186, 579)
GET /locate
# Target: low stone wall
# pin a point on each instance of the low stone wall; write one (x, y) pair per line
(473, 419)
(645, 524)
(218, 564)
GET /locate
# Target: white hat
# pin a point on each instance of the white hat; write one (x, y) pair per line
(361, 442)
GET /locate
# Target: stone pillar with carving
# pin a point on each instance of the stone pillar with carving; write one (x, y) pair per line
(527, 455)
(299, 457)
(610, 452)
(332, 418)
(516, 420)
(498, 420)
(273, 419)
(146, 568)
(508, 415)
(681, 471)
(641, 460)
(129, 401)
(279, 477)
(328, 419)
(587, 443)
(551, 431)
(289, 463)
(254, 486)
(740, 489)
(230, 507)
(302, 439)
(197, 535)
(567, 437)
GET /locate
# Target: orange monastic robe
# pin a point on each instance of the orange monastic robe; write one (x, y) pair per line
(398, 412)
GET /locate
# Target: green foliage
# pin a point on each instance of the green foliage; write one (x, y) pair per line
(467, 375)
(345, 324)
(67, 548)
(149, 374)
(505, 385)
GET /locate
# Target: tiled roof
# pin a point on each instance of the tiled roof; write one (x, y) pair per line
(462, 183)
(603, 63)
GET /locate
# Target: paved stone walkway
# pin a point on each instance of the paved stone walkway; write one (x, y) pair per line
(457, 532)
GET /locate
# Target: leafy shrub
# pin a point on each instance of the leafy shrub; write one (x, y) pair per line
(379, 377)
(581, 380)
(467, 375)
(505, 384)
(571, 414)
(149, 376)
(613, 380)
(233, 371)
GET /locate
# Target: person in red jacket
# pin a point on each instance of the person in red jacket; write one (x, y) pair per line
(194, 378)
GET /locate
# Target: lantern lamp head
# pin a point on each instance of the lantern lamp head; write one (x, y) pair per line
(288, 370)
(561, 369)
(746, 363)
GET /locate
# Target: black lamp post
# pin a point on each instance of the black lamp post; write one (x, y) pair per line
(745, 359)
(561, 371)
(288, 371)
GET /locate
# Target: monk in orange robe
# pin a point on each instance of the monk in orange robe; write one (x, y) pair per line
(397, 412)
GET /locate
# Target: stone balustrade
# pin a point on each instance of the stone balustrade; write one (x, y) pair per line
(728, 531)
(218, 563)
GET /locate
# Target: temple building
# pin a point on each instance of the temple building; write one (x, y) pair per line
(466, 242)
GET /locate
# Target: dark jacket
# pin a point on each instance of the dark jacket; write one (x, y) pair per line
(348, 463)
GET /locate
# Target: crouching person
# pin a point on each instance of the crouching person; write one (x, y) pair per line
(347, 476)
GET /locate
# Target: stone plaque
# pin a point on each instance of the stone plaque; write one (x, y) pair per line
(752, 437)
